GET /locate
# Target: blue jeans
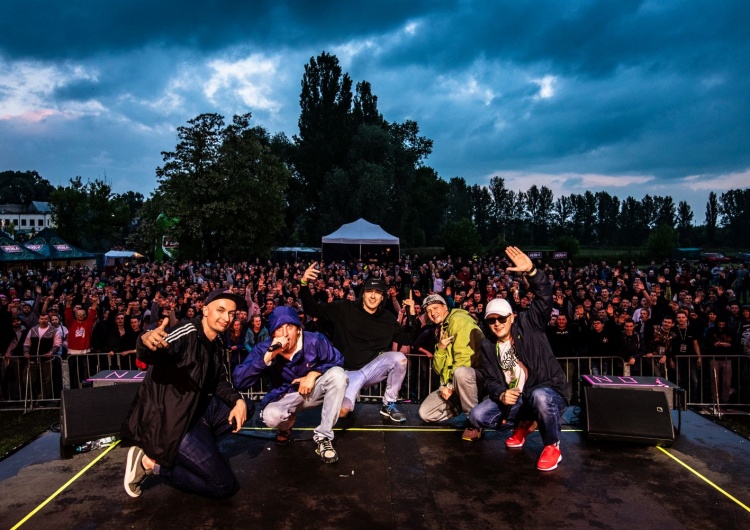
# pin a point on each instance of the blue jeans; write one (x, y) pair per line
(544, 405)
(199, 467)
(389, 365)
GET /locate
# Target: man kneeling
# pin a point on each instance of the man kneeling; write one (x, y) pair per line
(525, 383)
(305, 370)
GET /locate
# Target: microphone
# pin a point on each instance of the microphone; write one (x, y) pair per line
(273, 347)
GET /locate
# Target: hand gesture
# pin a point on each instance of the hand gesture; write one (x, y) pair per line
(409, 303)
(521, 262)
(445, 339)
(311, 273)
(156, 338)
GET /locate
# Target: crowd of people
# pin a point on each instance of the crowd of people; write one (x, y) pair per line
(496, 330)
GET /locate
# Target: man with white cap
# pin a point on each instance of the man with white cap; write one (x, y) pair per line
(185, 404)
(456, 360)
(304, 370)
(525, 383)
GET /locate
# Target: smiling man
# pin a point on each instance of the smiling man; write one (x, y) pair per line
(525, 383)
(185, 404)
(364, 332)
(456, 361)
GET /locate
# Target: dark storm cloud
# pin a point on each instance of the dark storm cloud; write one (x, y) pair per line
(81, 28)
(615, 88)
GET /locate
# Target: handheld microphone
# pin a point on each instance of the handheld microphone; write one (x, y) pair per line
(273, 347)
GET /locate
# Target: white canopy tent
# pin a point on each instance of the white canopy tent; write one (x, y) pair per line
(357, 240)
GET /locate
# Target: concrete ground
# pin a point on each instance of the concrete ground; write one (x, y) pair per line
(408, 476)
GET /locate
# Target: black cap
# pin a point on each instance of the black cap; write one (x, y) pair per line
(229, 295)
(373, 283)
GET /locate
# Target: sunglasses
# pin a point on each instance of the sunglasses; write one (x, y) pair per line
(493, 320)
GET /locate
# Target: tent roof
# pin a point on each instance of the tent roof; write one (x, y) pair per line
(123, 254)
(12, 251)
(361, 232)
(51, 246)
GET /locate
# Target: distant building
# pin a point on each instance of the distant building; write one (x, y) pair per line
(20, 219)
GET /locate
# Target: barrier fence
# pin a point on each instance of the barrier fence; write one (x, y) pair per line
(36, 382)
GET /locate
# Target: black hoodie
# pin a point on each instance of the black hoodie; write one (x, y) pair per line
(357, 334)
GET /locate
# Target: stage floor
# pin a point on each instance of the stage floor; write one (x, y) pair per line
(408, 476)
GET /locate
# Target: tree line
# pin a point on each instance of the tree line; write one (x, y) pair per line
(237, 190)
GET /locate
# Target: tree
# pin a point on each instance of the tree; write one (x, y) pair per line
(684, 222)
(607, 216)
(712, 217)
(633, 223)
(661, 242)
(459, 199)
(145, 234)
(460, 237)
(226, 187)
(89, 215)
(18, 187)
(481, 211)
(561, 216)
(433, 192)
(503, 201)
(325, 129)
(734, 206)
(538, 209)
(584, 215)
(665, 211)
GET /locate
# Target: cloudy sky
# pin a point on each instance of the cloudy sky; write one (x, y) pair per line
(632, 97)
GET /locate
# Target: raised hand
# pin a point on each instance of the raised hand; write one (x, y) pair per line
(521, 262)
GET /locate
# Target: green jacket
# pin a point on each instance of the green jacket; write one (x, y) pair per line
(464, 350)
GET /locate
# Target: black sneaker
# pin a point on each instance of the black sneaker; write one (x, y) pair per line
(326, 451)
(135, 473)
(390, 411)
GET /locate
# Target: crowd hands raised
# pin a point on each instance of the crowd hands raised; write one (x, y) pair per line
(494, 328)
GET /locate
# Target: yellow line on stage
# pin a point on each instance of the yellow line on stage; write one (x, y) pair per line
(64, 486)
(706, 480)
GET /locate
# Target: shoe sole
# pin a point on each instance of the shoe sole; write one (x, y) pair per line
(130, 466)
(553, 467)
(515, 446)
(386, 415)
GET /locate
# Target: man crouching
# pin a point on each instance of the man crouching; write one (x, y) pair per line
(305, 370)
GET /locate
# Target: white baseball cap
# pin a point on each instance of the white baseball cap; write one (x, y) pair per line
(498, 306)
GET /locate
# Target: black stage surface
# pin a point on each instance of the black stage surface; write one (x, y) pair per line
(409, 477)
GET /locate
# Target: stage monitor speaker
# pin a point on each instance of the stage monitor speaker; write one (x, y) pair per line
(88, 414)
(628, 415)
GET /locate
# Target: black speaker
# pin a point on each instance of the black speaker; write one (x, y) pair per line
(628, 415)
(88, 414)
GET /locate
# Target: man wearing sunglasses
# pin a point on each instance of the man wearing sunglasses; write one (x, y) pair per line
(526, 385)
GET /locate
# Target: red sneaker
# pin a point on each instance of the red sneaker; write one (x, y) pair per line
(551, 456)
(520, 433)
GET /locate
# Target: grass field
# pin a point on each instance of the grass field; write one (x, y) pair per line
(18, 428)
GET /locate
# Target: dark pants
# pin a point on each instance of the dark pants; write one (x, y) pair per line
(200, 467)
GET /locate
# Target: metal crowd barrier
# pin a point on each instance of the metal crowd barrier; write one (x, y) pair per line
(36, 382)
(28, 383)
(724, 379)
